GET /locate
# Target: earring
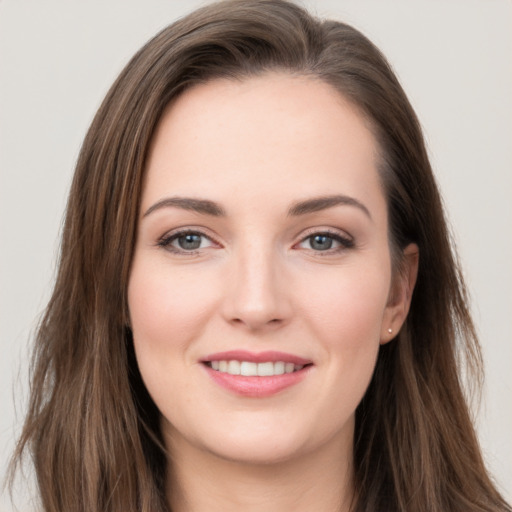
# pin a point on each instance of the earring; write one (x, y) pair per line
(390, 330)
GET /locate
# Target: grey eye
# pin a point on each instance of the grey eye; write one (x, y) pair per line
(186, 242)
(320, 242)
(189, 241)
(323, 242)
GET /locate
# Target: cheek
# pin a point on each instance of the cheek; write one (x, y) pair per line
(347, 317)
(346, 307)
(167, 313)
(167, 306)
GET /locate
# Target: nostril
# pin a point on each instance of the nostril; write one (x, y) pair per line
(256, 324)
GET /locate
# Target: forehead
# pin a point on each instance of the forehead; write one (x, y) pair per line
(275, 134)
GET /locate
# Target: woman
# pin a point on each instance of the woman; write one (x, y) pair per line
(257, 305)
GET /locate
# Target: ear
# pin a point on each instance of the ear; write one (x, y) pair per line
(400, 294)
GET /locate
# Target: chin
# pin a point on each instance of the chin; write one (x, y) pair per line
(260, 452)
(244, 442)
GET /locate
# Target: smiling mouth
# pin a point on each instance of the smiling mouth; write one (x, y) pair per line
(256, 374)
(252, 369)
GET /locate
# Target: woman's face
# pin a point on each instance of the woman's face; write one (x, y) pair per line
(262, 249)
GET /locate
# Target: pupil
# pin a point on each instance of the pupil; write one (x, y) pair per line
(189, 242)
(321, 242)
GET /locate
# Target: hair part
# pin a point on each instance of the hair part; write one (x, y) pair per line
(92, 429)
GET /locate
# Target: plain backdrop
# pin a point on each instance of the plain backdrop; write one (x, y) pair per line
(454, 58)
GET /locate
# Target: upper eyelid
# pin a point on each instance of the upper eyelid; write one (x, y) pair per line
(299, 237)
(169, 237)
(324, 231)
(188, 229)
(341, 237)
(166, 242)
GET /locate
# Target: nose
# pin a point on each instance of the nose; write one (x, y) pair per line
(257, 292)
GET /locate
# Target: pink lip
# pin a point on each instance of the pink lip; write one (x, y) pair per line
(260, 357)
(256, 387)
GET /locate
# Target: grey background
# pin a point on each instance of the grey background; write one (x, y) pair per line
(454, 58)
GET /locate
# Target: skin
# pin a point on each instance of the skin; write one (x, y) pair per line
(256, 148)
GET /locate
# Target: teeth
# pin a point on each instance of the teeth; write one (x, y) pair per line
(250, 369)
(234, 367)
(265, 369)
(279, 368)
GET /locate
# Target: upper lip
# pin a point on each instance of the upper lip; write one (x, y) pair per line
(256, 357)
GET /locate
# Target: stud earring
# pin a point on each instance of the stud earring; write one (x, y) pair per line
(390, 331)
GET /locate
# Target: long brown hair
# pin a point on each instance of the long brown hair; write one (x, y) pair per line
(92, 429)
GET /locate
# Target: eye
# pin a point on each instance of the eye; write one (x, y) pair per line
(185, 242)
(326, 241)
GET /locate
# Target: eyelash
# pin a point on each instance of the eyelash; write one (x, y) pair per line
(166, 241)
(345, 242)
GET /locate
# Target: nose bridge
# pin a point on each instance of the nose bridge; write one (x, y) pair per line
(257, 297)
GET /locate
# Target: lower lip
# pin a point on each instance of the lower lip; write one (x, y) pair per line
(257, 387)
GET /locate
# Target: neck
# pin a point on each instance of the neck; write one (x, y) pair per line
(203, 482)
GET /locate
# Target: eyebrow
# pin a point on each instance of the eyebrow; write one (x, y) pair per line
(203, 206)
(207, 207)
(322, 203)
